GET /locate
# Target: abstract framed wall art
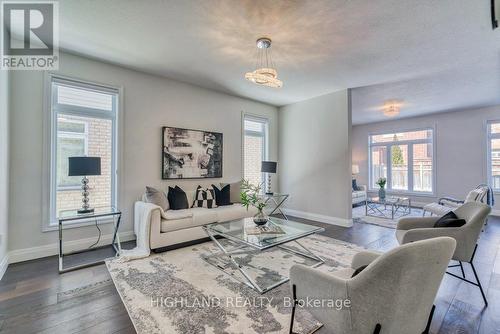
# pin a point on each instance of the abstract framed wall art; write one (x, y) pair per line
(191, 154)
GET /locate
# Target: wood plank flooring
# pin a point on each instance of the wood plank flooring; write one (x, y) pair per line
(34, 298)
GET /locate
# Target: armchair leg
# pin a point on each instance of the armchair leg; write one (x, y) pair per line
(294, 296)
(429, 321)
(477, 283)
(378, 328)
(462, 268)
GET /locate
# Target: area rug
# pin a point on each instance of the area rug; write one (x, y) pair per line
(178, 292)
(359, 216)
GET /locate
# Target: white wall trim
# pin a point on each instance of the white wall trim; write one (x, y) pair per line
(495, 213)
(319, 218)
(32, 253)
(4, 264)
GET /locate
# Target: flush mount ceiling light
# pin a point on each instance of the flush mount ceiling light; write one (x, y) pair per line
(391, 108)
(265, 73)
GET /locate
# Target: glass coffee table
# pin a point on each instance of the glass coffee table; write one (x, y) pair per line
(389, 207)
(241, 240)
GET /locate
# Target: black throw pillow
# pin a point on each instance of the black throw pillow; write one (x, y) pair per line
(177, 198)
(355, 186)
(449, 220)
(357, 271)
(223, 195)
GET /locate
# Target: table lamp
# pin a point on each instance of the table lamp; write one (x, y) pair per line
(268, 167)
(84, 166)
(355, 170)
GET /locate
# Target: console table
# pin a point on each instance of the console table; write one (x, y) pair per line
(66, 216)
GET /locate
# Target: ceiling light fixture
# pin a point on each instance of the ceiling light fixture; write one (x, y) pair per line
(265, 73)
(391, 108)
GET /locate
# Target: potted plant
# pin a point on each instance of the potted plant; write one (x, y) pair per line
(250, 195)
(381, 183)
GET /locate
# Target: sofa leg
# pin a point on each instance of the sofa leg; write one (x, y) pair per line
(377, 329)
(429, 321)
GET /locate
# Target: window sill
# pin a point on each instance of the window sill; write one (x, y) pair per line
(405, 193)
(79, 223)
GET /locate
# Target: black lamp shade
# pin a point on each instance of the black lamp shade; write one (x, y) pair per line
(268, 167)
(81, 166)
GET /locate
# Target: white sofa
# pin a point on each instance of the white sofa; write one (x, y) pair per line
(359, 196)
(178, 226)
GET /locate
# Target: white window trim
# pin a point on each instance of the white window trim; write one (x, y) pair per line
(49, 223)
(489, 137)
(388, 146)
(260, 119)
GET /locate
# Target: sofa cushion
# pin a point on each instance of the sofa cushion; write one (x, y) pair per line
(222, 195)
(235, 211)
(356, 194)
(203, 216)
(176, 224)
(204, 198)
(157, 197)
(177, 198)
(178, 214)
(437, 209)
(235, 192)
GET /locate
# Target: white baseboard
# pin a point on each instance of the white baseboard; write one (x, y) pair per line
(32, 253)
(495, 213)
(3, 265)
(319, 218)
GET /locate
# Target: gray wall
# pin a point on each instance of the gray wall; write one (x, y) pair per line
(4, 167)
(149, 102)
(315, 157)
(460, 145)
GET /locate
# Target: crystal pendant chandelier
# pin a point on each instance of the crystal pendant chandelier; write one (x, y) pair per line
(265, 73)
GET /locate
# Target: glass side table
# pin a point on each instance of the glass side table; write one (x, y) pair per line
(278, 200)
(73, 216)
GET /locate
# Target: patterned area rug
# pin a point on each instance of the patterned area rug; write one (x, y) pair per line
(358, 216)
(178, 292)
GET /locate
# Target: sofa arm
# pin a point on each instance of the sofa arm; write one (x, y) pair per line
(142, 211)
(364, 258)
(362, 188)
(409, 223)
(450, 202)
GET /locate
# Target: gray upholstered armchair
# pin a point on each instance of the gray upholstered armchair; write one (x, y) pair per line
(475, 214)
(393, 294)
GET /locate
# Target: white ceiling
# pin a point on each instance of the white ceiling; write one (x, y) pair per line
(433, 54)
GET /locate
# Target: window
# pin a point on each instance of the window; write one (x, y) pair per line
(494, 155)
(254, 148)
(405, 159)
(83, 118)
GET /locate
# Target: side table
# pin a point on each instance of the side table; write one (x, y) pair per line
(278, 200)
(72, 215)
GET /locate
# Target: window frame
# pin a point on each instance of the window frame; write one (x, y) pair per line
(410, 143)
(49, 221)
(74, 135)
(264, 134)
(489, 164)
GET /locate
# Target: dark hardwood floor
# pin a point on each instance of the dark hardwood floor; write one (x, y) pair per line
(34, 298)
